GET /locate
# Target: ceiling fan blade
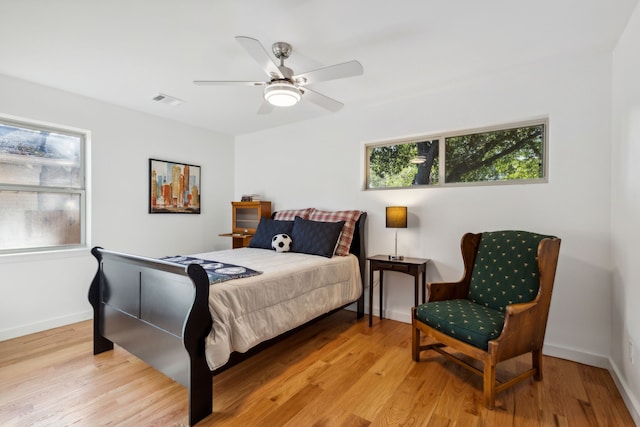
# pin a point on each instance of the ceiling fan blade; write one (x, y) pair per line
(259, 53)
(265, 108)
(322, 100)
(332, 72)
(228, 82)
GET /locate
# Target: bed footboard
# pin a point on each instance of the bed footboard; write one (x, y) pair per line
(159, 312)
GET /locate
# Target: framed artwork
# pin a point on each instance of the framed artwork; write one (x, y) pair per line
(173, 187)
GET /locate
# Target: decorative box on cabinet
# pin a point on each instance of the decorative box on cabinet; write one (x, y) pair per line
(245, 217)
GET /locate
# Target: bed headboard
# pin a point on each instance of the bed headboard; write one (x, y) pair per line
(358, 248)
(357, 244)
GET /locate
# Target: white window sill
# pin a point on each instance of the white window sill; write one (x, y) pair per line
(9, 258)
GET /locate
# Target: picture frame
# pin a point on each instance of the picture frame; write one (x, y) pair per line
(174, 187)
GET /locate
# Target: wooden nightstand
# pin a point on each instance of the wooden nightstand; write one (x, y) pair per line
(412, 266)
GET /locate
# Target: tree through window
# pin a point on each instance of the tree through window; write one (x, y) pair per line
(509, 153)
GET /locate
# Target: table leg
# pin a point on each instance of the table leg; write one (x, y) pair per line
(370, 296)
(424, 286)
(416, 289)
(381, 285)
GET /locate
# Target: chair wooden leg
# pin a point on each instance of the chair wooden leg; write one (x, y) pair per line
(415, 344)
(536, 356)
(489, 384)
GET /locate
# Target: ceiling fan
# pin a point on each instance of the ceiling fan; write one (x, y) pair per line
(285, 88)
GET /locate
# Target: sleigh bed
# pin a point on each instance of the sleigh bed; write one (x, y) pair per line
(176, 319)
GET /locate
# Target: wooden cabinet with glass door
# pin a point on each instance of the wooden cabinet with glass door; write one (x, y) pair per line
(245, 217)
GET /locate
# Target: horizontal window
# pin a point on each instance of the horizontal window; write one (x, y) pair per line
(404, 164)
(42, 194)
(511, 153)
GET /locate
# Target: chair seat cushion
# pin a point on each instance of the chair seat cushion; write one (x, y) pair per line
(462, 319)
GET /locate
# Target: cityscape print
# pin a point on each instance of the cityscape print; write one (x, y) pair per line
(174, 187)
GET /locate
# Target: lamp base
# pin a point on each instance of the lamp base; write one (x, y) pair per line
(396, 257)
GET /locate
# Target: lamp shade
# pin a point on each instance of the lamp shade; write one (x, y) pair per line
(396, 217)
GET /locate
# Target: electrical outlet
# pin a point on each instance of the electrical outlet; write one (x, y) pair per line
(631, 355)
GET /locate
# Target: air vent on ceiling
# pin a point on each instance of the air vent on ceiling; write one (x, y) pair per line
(166, 99)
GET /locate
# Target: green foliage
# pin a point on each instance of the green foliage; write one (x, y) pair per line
(390, 166)
(510, 154)
(495, 156)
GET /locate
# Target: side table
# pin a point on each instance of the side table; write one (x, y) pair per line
(415, 267)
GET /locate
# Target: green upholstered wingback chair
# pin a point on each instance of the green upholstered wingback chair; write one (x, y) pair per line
(498, 310)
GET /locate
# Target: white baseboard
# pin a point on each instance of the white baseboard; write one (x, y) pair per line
(7, 334)
(400, 316)
(579, 356)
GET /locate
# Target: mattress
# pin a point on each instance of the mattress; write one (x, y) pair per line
(292, 289)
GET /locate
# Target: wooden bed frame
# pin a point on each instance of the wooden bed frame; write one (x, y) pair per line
(159, 312)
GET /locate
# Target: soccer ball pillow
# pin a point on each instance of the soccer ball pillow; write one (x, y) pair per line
(281, 243)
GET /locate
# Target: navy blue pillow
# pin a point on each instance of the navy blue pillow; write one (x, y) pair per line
(267, 228)
(314, 237)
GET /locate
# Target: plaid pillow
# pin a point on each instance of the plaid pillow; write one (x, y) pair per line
(349, 218)
(291, 214)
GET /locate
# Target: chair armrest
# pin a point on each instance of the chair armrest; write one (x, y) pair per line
(519, 331)
(442, 291)
(515, 309)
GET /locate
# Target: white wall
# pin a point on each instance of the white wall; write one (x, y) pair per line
(321, 163)
(625, 208)
(41, 291)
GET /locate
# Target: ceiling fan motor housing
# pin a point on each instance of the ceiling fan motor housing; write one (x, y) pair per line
(281, 50)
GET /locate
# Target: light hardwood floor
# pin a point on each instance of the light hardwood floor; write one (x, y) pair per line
(338, 372)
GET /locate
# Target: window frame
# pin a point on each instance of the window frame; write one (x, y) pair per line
(83, 135)
(442, 137)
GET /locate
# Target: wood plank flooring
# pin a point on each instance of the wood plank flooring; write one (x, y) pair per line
(338, 372)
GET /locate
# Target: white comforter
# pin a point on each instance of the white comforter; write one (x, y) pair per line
(293, 289)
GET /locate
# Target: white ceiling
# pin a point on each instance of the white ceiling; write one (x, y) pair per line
(124, 52)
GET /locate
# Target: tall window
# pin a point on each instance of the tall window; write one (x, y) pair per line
(512, 153)
(42, 187)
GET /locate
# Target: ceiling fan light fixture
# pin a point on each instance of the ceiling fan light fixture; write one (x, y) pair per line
(282, 94)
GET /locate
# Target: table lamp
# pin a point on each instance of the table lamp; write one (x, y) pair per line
(396, 218)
